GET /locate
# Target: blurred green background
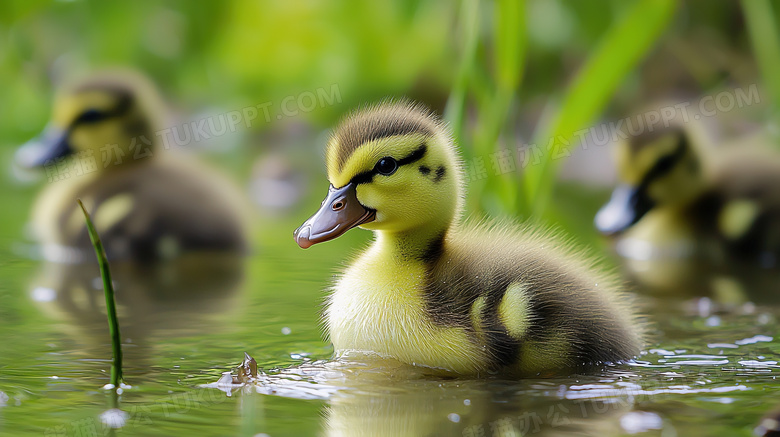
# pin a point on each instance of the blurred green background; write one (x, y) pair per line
(507, 73)
(503, 73)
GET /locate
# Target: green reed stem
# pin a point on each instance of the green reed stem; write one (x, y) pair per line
(108, 289)
(456, 104)
(619, 50)
(764, 38)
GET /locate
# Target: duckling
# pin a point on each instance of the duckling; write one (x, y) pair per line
(469, 299)
(101, 146)
(681, 197)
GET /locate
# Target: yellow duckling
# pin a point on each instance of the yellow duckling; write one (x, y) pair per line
(683, 198)
(101, 146)
(430, 292)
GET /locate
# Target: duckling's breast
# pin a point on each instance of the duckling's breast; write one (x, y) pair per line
(378, 307)
(55, 206)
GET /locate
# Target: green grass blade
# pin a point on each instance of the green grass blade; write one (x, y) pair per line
(766, 44)
(108, 289)
(510, 39)
(510, 43)
(619, 50)
(454, 113)
(493, 92)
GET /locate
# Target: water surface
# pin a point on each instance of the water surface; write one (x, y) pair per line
(706, 371)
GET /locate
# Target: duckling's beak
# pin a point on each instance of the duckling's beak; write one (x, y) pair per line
(340, 212)
(51, 144)
(627, 205)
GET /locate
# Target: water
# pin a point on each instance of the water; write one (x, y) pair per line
(706, 371)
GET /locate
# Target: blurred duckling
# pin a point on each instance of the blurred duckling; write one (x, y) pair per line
(683, 198)
(101, 146)
(470, 299)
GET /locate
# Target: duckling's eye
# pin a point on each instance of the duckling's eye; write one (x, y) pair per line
(90, 116)
(386, 166)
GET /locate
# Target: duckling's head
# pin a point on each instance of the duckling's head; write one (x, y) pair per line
(392, 168)
(107, 117)
(658, 168)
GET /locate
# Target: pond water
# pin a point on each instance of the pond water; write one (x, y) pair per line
(706, 370)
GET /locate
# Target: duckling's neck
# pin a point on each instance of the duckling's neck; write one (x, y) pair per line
(423, 244)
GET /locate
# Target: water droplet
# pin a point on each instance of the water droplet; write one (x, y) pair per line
(712, 321)
(704, 307)
(640, 421)
(114, 418)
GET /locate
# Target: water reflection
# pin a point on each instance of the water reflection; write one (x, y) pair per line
(469, 408)
(729, 363)
(671, 271)
(394, 399)
(168, 299)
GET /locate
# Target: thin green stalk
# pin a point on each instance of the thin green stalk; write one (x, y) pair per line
(766, 46)
(510, 49)
(455, 112)
(618, 51)
(108, 289)
(493, 92)
(456, 104)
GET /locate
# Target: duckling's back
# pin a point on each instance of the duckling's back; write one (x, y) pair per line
(746, 189)
(146, 212)
(532, 302)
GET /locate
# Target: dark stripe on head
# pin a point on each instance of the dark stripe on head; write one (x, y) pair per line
(382, 121)
(368, 176)
(93, 115)
(641, 201)
(639, 142)
(123, 92)
(415, 156)
(666, 163)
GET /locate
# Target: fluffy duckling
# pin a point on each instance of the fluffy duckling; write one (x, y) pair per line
(101, 146)
(681, 198)
(431, 292)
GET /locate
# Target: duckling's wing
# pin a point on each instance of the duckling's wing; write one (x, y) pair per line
(747, 186)
(160, 210)
(534, 302)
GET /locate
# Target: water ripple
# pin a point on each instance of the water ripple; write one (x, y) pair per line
(754, 339)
